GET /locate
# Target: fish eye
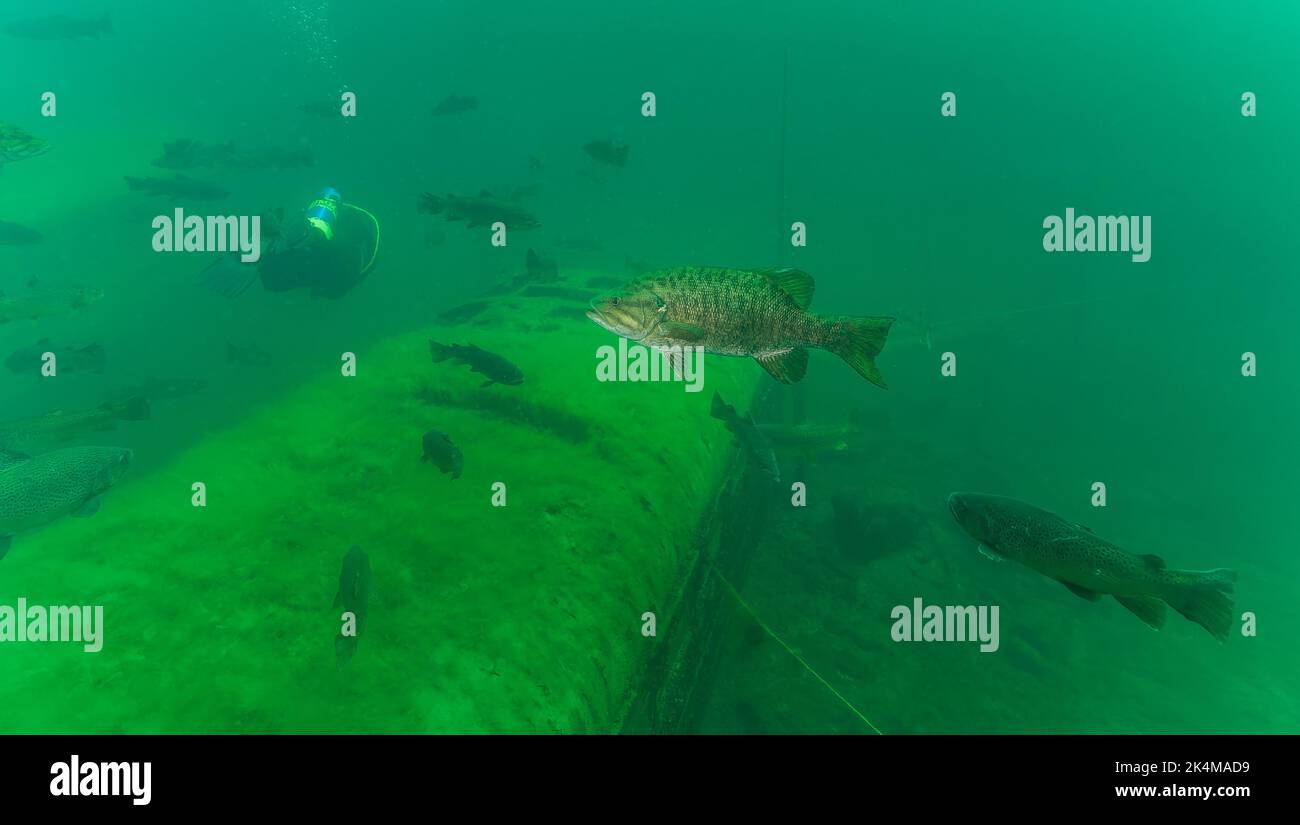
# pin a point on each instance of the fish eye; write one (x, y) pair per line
(615, 300)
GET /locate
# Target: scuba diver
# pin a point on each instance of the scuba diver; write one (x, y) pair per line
(329, 251)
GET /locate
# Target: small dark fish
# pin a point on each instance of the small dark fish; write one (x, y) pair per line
(168, 389)
(607, 152)
(250, 355)
(31, 359)
(47, 303)
(455, 105)
(39, 433)
(178, 186)
(353, 597)
(747, 435)
(12, 234)
(496, 369)
(58, 27)
(540, 269)
(564, 292)
(15, 144)
(464, 312)
(536, 269)
(483, 210)
(439, 449)
(182, 154)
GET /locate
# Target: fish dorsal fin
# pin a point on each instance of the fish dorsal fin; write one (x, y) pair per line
(788, 368)
(1153, 562)
(793, 282)
(1081, 592)
(10, 458)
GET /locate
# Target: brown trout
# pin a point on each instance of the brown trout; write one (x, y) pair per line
(44, 489)
(1091, 567)
(762, 314)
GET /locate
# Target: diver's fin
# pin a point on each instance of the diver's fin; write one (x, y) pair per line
(229, 276)
(788, 368)
(1147, 608)
(88, 509)
(5, 543)
(1082, 592)
(793, 282)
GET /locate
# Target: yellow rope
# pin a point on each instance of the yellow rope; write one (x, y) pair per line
(796, 656)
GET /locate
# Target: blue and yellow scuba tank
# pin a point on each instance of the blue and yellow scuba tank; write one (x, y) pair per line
(323, 213)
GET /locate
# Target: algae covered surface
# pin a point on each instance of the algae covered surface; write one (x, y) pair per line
(524, 617)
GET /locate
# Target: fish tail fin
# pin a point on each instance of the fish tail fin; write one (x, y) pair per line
(430, 204)
(858, 340)
(720, 409)
(1205, 597)
(136, 409)
(95, 353)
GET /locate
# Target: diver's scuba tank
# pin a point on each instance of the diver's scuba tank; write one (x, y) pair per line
(323, 212)
(323, 215)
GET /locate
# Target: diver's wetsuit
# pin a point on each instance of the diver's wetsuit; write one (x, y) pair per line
(329, 268)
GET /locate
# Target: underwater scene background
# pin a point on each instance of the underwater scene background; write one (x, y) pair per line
(625, 498)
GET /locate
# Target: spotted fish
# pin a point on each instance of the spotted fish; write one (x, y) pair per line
(1091, 567)
(762, 314)
(37, 491)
